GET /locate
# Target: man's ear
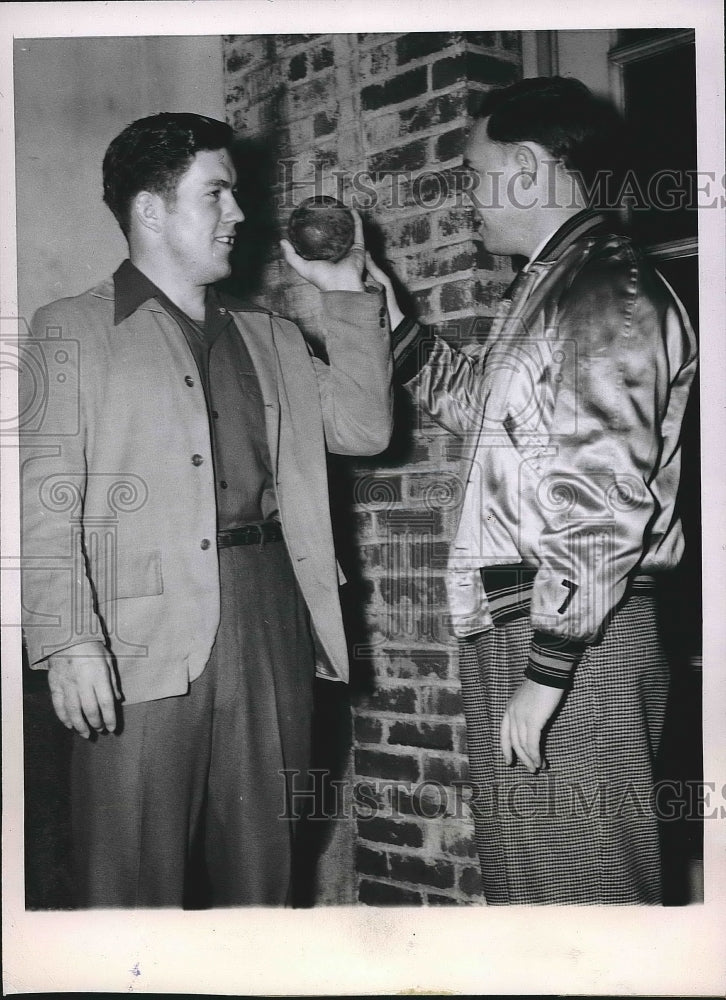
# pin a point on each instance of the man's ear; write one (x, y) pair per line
(527, 163)
(146, 209)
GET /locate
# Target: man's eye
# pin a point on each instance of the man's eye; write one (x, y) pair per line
(215, 194)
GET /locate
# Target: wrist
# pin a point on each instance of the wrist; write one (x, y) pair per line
(86, 648)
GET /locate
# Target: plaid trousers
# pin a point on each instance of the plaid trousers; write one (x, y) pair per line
(584, 829)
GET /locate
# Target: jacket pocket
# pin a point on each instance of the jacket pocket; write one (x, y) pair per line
(129, 574)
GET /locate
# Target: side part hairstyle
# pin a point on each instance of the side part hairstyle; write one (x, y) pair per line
(585, 132)
(152, 154)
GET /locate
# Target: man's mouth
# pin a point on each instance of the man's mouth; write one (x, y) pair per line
(226, 240)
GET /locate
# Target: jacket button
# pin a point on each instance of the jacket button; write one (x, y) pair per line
(189, 380)
(197, 459)
(382, 322)
(223, 484)
(205, 543)
(222, 311)
(382, 311)
(215, 414)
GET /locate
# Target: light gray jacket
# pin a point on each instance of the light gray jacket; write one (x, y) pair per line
(119, 524)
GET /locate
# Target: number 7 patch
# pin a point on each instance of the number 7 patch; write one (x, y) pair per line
(572, 590)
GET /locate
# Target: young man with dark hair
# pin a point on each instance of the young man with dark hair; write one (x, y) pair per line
(180, 582)
(570, 416)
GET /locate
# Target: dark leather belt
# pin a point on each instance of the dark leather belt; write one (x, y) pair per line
(249, 534)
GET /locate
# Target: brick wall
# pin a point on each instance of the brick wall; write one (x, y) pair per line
(380, 120)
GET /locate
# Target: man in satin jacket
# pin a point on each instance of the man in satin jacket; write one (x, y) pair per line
(179, 578)
(570, 417)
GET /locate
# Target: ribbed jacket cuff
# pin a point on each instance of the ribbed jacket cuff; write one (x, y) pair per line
(552, 659)
(412, 346)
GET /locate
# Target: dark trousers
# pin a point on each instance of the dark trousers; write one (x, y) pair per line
(197, 778)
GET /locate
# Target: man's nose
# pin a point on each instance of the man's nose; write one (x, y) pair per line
(233, 213)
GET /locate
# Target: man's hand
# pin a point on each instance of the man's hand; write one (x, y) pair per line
(344, 276)
(394, 313)
(83, 687)
(527, 713)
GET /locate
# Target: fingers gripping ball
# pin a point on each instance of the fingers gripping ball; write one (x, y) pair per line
(321, 228)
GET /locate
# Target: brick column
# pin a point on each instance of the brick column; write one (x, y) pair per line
(380, 120)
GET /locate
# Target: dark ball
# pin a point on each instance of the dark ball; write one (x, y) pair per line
(321, 228)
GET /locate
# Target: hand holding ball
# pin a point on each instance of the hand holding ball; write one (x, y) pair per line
(321, 228)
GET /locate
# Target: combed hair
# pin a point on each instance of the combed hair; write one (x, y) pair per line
(563, 116)
(152, 154)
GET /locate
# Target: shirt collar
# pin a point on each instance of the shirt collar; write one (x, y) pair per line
(132, 288)
(582, 224)
(538, 249)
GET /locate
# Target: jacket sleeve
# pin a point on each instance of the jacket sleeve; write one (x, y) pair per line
(447, 383)
(355, 384)
(57, 598)
(614, 423)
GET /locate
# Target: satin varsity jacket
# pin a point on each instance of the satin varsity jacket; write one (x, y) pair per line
(570, 417)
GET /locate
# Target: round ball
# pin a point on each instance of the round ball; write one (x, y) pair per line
(321, 228)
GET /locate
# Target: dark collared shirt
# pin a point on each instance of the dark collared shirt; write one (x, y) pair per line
(241, 456)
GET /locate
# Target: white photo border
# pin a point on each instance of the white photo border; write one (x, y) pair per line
(365, 950)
